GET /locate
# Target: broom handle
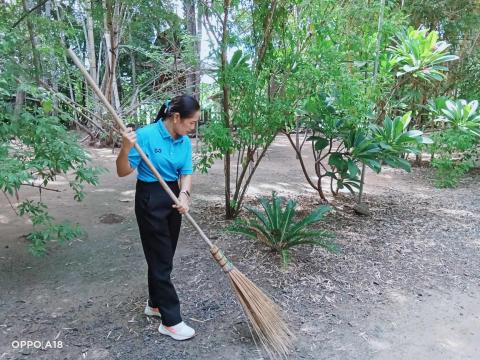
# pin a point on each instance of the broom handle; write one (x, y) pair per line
(137, 147)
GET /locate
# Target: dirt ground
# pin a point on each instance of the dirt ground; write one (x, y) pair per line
(406, 284)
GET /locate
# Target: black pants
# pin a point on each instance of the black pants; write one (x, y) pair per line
(159, 226)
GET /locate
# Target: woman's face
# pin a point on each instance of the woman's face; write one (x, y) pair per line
(186, 125)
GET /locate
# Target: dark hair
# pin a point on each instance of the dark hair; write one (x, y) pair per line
(185, 105)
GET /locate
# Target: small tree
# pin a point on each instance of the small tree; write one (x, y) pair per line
(255, 99)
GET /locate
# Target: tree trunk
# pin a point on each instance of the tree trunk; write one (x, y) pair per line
(111, 24)
(375, 73)
(69, 80)
(229, 210)
(111, 34)
(90, 41)
(33, 41)
(19, 101)
(198, 72)
(189, 10)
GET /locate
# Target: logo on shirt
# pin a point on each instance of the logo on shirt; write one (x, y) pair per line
(158, 150)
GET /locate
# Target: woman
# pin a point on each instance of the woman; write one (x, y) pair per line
(166, 144)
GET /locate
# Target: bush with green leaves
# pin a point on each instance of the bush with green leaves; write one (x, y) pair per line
(345, 145)
(353, 120)
(456, 140)
(277, 227)
(35, 147)
(419, 53)
(461, 115)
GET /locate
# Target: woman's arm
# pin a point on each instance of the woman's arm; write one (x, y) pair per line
(184, 197)
(185, 183)
(123, 166)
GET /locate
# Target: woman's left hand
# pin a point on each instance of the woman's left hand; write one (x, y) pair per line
(184, 206)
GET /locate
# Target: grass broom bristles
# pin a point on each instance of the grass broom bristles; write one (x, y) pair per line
(264, 315)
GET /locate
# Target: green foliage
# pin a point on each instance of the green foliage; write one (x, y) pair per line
(276, 227)
(420, 54)
(356, 121)
(455, 149)
(461, 115)
(44, 228)
(356, 143)
(252, 101)
(394, 139)
(35, 147)
(449, 172)
(469, 75)
(435, 106)
(217, 142)
(455, 154)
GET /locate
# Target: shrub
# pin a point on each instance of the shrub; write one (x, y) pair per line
(276, 227)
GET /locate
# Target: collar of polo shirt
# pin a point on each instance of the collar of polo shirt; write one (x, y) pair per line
(166, 134)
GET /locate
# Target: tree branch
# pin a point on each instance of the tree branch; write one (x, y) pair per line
(302, 164)
(40, 187)
(28, 13)
(11, 205)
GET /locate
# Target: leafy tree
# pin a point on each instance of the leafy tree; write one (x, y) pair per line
(255, 99)
(35, 148)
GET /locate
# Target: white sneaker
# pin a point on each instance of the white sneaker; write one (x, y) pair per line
(179, 332)
(150, 311)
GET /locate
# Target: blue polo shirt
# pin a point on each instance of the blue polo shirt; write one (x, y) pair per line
(171, 157)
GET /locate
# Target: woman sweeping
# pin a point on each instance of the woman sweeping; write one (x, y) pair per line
(166, 144)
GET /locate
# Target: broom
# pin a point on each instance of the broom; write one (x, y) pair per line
(264, 315)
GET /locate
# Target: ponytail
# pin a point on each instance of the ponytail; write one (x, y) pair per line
(185, 105)
(164, 111)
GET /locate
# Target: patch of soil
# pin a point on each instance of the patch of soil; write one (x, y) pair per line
(111, 219)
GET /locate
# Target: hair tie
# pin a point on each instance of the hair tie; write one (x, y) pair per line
(167, 107)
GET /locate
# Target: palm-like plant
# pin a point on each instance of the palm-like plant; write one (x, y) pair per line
(461, 115)
(276, 227)
(420, 54)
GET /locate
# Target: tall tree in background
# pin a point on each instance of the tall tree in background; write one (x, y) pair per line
(190, 8)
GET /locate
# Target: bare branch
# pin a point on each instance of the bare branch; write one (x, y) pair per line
(28, 13)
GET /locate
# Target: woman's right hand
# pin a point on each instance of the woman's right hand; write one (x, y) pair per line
(129, 139)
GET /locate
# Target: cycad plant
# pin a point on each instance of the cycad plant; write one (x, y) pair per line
(276, 227)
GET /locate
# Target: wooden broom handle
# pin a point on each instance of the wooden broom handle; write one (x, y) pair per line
(119, 121)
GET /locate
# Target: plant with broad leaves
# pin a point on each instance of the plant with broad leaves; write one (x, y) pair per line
(455, 149)
(339, 146)
(276, 227)
(461, 115)
(394, 139)
(419, 53)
